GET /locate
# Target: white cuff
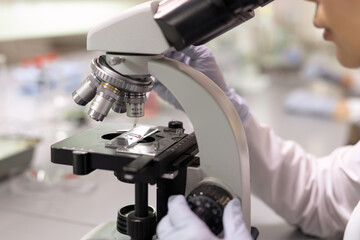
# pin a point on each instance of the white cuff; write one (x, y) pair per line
(354, 109)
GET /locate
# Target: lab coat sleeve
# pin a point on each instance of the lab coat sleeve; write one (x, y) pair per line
(316, 194)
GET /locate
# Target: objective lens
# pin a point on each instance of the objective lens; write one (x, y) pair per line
(120, 105)
(100, 107)
(102, 103)
(86, 91)
(135, 104)
(110, 89)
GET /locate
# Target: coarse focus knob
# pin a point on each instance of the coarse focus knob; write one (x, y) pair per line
(208, 201)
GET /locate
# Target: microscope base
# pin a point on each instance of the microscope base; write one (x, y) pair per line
(106, 231)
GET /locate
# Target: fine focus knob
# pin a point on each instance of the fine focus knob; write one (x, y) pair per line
(139, 228)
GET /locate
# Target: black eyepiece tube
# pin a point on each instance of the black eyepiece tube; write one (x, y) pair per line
(245, 5)
(186, 22)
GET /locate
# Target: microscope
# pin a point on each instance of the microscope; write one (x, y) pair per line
(211, 165)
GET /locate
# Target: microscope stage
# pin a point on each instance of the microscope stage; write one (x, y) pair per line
(159, 151)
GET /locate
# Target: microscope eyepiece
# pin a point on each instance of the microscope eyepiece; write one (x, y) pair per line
(236, 6)
(186, 22)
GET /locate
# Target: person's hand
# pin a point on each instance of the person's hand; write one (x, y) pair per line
(202, 59)
(182, 223)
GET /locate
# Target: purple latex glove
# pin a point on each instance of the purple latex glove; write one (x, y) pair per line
(202, 59)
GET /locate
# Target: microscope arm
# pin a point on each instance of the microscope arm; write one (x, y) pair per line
(219, 133)
(134, 42)
(218, 128)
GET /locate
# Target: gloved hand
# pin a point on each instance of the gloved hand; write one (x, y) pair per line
(182, 223)
(201, 58)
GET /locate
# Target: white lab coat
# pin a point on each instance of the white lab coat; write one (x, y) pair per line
(316, 194)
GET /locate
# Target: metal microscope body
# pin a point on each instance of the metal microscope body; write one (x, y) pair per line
(135, 42)
(218, 128)
(135, 37)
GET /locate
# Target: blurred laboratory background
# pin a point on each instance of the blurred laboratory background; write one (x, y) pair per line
(277, 61)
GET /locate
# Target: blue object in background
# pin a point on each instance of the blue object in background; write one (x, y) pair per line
(301, 101)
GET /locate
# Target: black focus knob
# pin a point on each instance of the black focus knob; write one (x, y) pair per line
(142, 228)
(208, 201)
(138, 228)
(175, 124)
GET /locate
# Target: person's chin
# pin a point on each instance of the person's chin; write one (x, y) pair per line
(347, 59)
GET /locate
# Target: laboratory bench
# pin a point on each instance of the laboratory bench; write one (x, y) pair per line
(75, 205)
